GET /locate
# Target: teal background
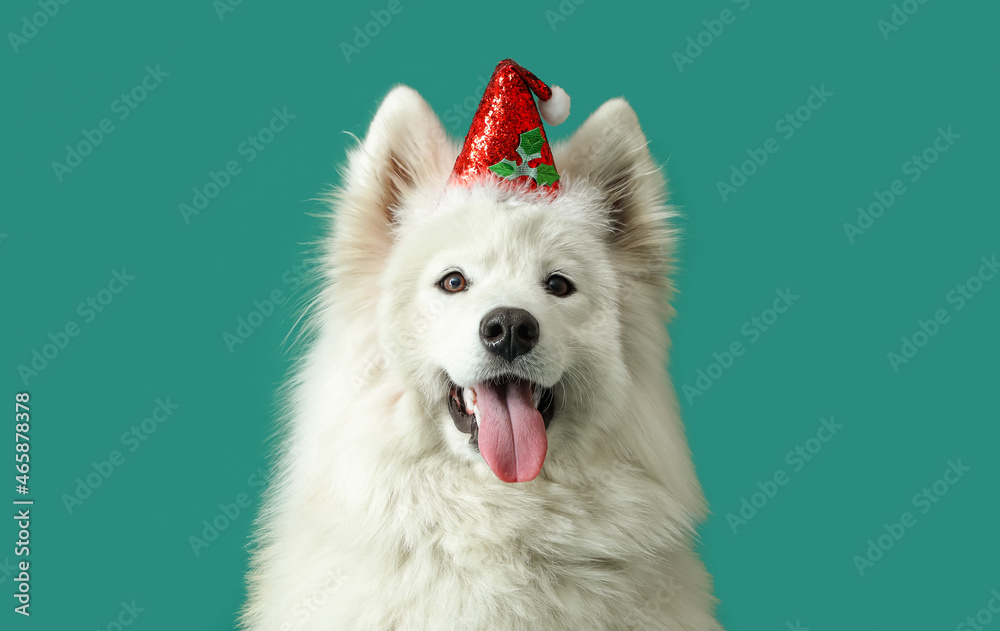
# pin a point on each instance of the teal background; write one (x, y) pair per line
(826, 357)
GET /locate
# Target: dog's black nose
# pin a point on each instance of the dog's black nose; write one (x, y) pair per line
(508, 332)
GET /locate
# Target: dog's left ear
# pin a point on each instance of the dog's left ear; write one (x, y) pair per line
(609, 153)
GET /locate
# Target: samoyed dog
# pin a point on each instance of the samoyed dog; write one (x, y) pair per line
(482, 433)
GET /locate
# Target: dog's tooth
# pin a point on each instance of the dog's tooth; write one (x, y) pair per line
(470, 400)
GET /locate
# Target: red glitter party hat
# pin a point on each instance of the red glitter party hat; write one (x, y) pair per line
(506, 139)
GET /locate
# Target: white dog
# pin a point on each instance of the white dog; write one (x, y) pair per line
(483, 434)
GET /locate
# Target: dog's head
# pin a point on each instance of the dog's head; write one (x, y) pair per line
(514, 316)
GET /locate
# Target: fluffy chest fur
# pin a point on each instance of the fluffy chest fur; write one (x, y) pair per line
(543, 562)
(420, 545)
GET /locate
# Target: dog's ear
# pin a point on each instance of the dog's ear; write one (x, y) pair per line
(405, 150)
(403, 161)
(609, 152)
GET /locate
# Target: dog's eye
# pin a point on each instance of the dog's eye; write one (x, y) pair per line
(453, 283)
(559, 285)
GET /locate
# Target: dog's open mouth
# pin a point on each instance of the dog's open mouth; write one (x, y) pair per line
(507, 418)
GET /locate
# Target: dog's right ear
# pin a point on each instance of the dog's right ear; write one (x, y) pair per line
(405, 158)
(405, 150)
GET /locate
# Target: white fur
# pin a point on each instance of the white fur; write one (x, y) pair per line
(381, 516)
(555, 111)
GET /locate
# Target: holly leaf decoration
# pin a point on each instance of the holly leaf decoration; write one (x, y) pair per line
(530, 148)
(532, 141)
(546, 175)
(504, 168)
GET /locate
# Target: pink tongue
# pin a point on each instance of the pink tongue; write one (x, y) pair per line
(511, 431)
